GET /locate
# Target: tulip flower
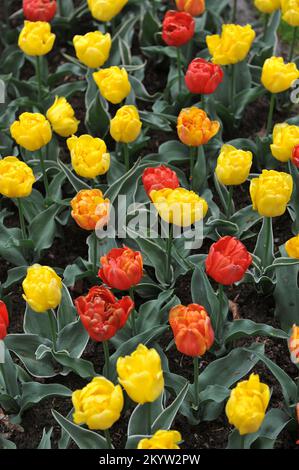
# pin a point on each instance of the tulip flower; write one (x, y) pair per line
(161, 440)
(285, 138)
(159, 177)
(193, 7)
(39, 10)
(294, 344)
(93, 48)
(193, 334)
(62, 117)
(290, 14)
(4, 320)
(105, 10)
(196, 129)
(292, 247)
(178, 28)
(89, 155)
(247, 405)
(42, 288)
(113, 84)
(267, 6)
(295, 156)
(203, 77)
(98, 405)
(16, 180)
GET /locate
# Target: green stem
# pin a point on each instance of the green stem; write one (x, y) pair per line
(22, 219)
(95, 253)
(271, 112)
(133, 314)
(266, 21)
(230, 202)
(232, 85)
(45, 177)
(203, 102)
(192, 153)
(292, 49)
(219, 321)
(169, 242)
(234, 14)
(179, 66)
(149, 419)
(107, 358)
(196, 384)
(126, 157)
(268, 224)
(53, 327)
(39, 78)
(108, 438)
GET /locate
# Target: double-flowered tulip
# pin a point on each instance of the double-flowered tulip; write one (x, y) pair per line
(290, 12)
(203, 77)
(285, 138)
(159, 177)
(179, 206)
(105, 10)
(126, 126)
(90, 209)
(121, 268)
(42, 288)
(39, 10)
(192, 329)
(36, 38)
(294, 344)
(62, 117)
(98, 405)
(271, 192)
(195, 128)
(267, 6)
(247, 405)
(102, 314)
(194, 7)
(16, 178)
(178, 28)
(113, 84)
(141, 375)
(4, 320)
(228, 261)
(89, 155)
(278, 76)
(232, 45)
(161, 440)
(233, 165)
(93, 48)
(32, 131)
(292, 247)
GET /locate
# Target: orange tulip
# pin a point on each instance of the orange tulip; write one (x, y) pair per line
(122, 268)
(193, 7)
(195, 128)
(294, 344)
(90, 209)
(192, 329)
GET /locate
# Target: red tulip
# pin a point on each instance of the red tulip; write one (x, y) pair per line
(4, 320)
(39, 10)
(178, 28)
(102, 314)
(159, 178)
(192, 329)
(295, 156)
(203, 77)
(227, 261)
(122, 268)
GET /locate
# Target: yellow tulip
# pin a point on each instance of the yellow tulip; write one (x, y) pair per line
(179, 206)
(290, 12)
(42, 288)
(247, 405)
(161, 440)
(113, 84)
(285, 138)
(267, 6)
(292, 247)
(32, 131)
(16, 178)
(126, 125)
(62, 117)
(141, 374)
(98, 404)
(232, 45)
(89, 156)
(105, 10)
(233, 165)
(36, 38)
(278, 76)
(271, 192)
(195, 128)
(93, 48)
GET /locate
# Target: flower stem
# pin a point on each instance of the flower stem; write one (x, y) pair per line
(192, 153)
(107, 357)
(39, 78)
(22, 219)
(179, 66)
(230, 202)
(219, 321)
(95, 253)
(169, 242)
(133, 314)
(108, 438)
(45, 177)
(196, 384)
(232, 85)
(266, 21)
(271, 112)
(234, 14)
(149, 419)
(268, 226)
(53, 327)
(292, 49)
(126, 157)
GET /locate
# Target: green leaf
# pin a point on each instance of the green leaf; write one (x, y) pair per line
(264, 248)
(137, 423)
(240, 328)
(34, 392)
(42, 228)
(76, 182)
(166, 418)
(45, 442)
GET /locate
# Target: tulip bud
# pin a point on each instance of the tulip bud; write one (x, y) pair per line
(232, 46)
(290, 12)
(39, 10)
(93, 48)
(126, 125)
(62, 117)
(278, 76)
(195, 128)
(285, 137)
(271, 192)
(233, 165)
(161, 440)
(90, 210)
(36, 38)
(16, 178)
(113, 84)
(178, 28)
(89, 156)
(32, 131)
(292, 247)
(122, 268)
(295, 155)
(203, 77)
(4, 320)
(42, 288)
(193, 7)
(159, 177)
(105, 10)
